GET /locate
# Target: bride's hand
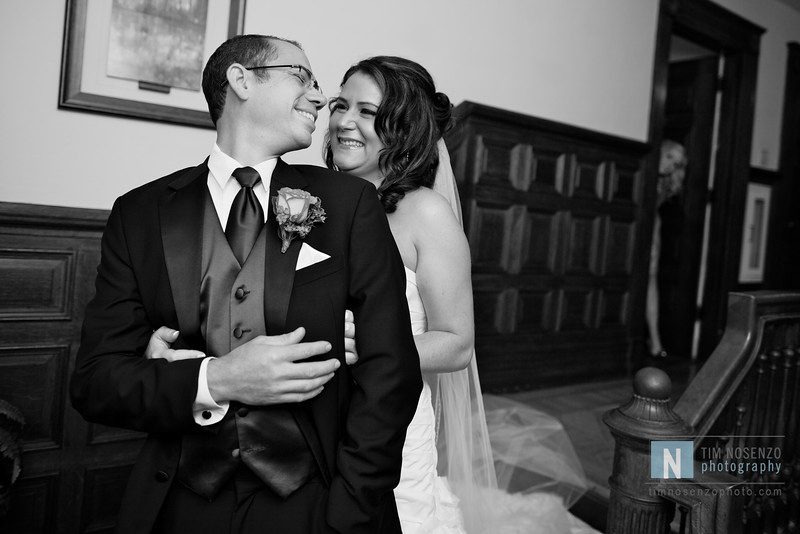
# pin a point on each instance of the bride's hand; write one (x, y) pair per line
(162, 339)
(350, 352)
(159, 347)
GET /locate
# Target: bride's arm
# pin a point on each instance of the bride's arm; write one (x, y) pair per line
(445, 285)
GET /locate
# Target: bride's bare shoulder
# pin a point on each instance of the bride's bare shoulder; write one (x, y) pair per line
(425, 206)
(427, 219)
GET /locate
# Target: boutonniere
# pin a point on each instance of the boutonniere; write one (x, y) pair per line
(296, 212)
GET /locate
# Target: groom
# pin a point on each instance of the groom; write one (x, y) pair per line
(250, 441)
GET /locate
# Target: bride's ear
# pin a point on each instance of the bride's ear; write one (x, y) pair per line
(239, 81)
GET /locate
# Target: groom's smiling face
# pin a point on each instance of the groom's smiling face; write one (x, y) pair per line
(283, 108)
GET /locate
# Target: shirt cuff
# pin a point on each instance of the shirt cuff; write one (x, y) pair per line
(206, 411)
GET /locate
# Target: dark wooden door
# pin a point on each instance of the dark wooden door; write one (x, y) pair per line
(783, 248)
(73, 473)
(691, 97)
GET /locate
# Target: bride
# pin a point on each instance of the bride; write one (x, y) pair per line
(386, 127)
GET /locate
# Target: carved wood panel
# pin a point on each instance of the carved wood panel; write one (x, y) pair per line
(33, 379)
(35, 284)
(551, 213)
(73, 472)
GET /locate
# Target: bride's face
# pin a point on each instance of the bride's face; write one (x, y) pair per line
(354, 144)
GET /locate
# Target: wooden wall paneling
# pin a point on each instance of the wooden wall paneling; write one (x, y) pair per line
(33, 501)
(551, 213)
(103, 489)
(73, 472)
(35, 284)
(32, 378)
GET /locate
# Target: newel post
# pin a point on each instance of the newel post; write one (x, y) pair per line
(634, 507)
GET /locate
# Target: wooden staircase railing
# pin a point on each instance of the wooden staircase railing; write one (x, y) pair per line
(745, 401)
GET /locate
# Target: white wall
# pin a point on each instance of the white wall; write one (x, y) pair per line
(782, 24)
(581, 62)
(70, 158)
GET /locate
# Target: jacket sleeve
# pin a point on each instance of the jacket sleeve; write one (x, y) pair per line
(387, 380)
(113, 383)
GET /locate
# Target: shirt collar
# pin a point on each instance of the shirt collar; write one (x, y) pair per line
(222, 166)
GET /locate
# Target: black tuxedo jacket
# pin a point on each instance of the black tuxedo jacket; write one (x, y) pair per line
(149, 276)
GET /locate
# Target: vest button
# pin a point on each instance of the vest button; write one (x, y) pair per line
(238, 333)
(242, 412)
(162, 476)
(235, 453)
(241, 293)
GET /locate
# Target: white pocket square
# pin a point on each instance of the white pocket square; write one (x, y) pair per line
(309, 256)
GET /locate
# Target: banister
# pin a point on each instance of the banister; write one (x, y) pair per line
(745, 397)
(726, 368)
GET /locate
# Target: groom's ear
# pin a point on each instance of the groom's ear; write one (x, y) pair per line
(238, 80)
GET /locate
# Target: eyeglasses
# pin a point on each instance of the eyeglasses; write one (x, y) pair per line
(302, 73)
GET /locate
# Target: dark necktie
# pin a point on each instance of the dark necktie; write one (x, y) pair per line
(246, 217)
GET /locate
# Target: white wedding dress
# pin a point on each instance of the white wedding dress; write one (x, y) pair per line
(426, 503)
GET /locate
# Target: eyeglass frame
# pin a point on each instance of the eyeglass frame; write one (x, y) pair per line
(312, 79)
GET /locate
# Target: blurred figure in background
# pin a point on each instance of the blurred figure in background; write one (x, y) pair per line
(671, 172)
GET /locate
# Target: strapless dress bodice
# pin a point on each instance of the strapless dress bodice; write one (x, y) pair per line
(425, 503)
(419, 321)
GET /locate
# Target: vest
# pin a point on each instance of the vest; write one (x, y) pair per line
(265, 439)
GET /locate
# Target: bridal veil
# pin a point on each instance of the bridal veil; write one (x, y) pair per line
(486, 443)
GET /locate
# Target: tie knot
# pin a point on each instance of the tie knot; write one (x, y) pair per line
(247, 176)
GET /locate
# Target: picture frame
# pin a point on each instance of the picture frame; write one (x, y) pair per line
(85, 84)
(754, 233)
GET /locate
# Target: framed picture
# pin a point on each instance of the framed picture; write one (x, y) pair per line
(143, 58)
(754, 235)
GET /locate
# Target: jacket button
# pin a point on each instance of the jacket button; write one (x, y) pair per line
(238, 332)
(206, 414)
(162, 476)
(240, 293)
(242, 412)
(235, 453)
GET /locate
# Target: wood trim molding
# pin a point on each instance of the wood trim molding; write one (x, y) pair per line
(52, 217)
(475, 110)
(712, 25)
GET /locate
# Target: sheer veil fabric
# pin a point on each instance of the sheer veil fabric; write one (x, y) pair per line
(491, 446)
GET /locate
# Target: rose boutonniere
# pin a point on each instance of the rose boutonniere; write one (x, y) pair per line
(296, 212)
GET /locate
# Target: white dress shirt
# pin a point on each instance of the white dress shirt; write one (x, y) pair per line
(223, 189)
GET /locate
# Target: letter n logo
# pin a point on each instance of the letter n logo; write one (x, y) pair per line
(671, 459)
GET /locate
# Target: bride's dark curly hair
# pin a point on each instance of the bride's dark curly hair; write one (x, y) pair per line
(411, 118)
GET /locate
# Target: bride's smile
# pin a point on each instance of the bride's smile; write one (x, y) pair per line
(355, 145)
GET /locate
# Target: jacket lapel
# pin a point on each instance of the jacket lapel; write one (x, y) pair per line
(279, 266)
(278, 283)
(181, 214)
